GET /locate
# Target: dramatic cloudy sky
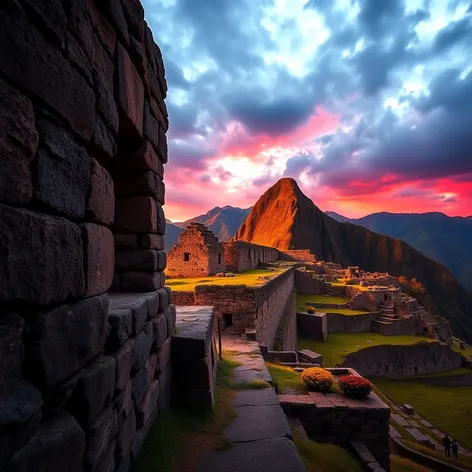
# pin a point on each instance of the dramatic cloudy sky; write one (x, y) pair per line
(366, 103)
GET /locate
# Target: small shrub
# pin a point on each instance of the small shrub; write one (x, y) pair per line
(310, 310)
(317, 378)
(355, 387)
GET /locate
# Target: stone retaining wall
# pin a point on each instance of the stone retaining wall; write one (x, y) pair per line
(312, 326)
(416, 359)
(306, 284)
(405, 325)
(350, 323)
(183, 298)
(83, 145)
(240, 255)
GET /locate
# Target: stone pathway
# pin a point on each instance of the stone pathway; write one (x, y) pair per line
(260, 434)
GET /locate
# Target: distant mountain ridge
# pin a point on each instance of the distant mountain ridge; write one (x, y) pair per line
(443, 238)
(285, 218)
(223, 221)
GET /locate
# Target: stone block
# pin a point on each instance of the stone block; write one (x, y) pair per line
(138, 56)
(142, 434)
(55, 399)
(63, 340)
(113, 11)
(164, 356)
(12, 351)
(100, 206)
(61, 170)
(141, 386)
(138, 304)
(145, 184)
(75, 54)
(144, 159)
(138, 260)
(145, 410)
(123, 402)
(125, 436)
(121, 324)
(18, 145)
(102, 146)
(107, 462)
(94, 390)
(165, 386)
(124, 358)
(123, 464)
(57, 438)
(99, 437)
(125, 242)
(161, 220)
(164, 297)
(99, 258)
(136, 215)
(156, 109)
(134, 15)
(141, 349)
(151, 365)
(40, 68)
(142, 281)
(129, 95)
(151, 128)
(162, 149)
(152, 241)
(106, 105)
(160, 330)
(153, 303)
(171, 317)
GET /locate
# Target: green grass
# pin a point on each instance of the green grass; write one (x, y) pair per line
(447, 408)
(456, 346)
(446, 373)
(402, 464)
(465, 462)
(288, 381)
(333, 350)
(248, 277)
(341, 311)
(302, 300)
(322, 457)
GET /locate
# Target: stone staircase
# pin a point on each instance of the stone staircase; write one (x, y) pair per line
(385, 318)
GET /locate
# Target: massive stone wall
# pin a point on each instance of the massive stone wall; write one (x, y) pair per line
(240, 255)
(82, 140)
(416, 359)
(197, 253)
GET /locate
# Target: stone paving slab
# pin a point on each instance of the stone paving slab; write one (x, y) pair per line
(258, 422)
(426, 423)
(400, 420)
(262, 397)
(415, 424)
(267, 455)
(394, 433)
(242, 374)
(417, 435)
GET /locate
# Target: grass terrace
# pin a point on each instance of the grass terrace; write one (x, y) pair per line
(340, 345)
(251, 278)
(448, 408)
(467, 353)
(302, 301)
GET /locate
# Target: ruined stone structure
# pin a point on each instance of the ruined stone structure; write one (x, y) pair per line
(240, 255)
(82, 139)
(297, 255)
(197, 253)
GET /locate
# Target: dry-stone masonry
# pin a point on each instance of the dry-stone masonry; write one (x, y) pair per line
(240, 255)
(83, 144)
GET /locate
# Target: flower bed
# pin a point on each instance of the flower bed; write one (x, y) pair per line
(317, 379)
(355, 387)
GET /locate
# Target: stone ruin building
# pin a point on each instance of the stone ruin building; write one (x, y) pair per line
(197, 253)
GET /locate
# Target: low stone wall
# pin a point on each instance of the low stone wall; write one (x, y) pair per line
(306, 284)
(416, 359)
(183, 298)
(337, 290)
(405, 325)
(297, 255)
(312, 326)
(240, 255)
(349, 323)
(335, 418)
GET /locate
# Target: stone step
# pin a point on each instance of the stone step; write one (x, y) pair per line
(250, 334)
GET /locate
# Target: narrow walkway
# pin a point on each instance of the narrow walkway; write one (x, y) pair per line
(260, 433)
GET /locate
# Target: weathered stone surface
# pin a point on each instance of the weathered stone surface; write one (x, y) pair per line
(142, 160)
(107, 462)
(130, 95)
(126, 435)
(39, 67)
(106, 105)
(165, 387)
(144, 411)
(18, 144)
(136, 215)
(142, 434)
(164, 297)
(123, 359)
(152, 241)
(162, 149)
(150, 128)
(163, 356)
(123, 402)
(99, 258)
(56, 439)
(161, 220)
(146, 184)
(77, 58)
(160, 330)
(20, 403)
(134, 14)
(138, 303)
(141, 386)
(261, 397)
(102, 146)
(141, 349)
(50, 15)
(162, 119)
(277, 454)
(153, 303)
(139, 259)
(63, 340)
(56, 398)
(142, 281)
(113, 11)
(123, 464)
(95, 388)
(100, 206)
(171, 317)
(12, 351)
(124, 242)
(31, 267)
(121, 323)
(151, 365)
(100, 436)
(62, 170)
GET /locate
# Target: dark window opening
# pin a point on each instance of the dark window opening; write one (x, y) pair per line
(385, 297)
(186, 256)
(228, 319)
(219, 258)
